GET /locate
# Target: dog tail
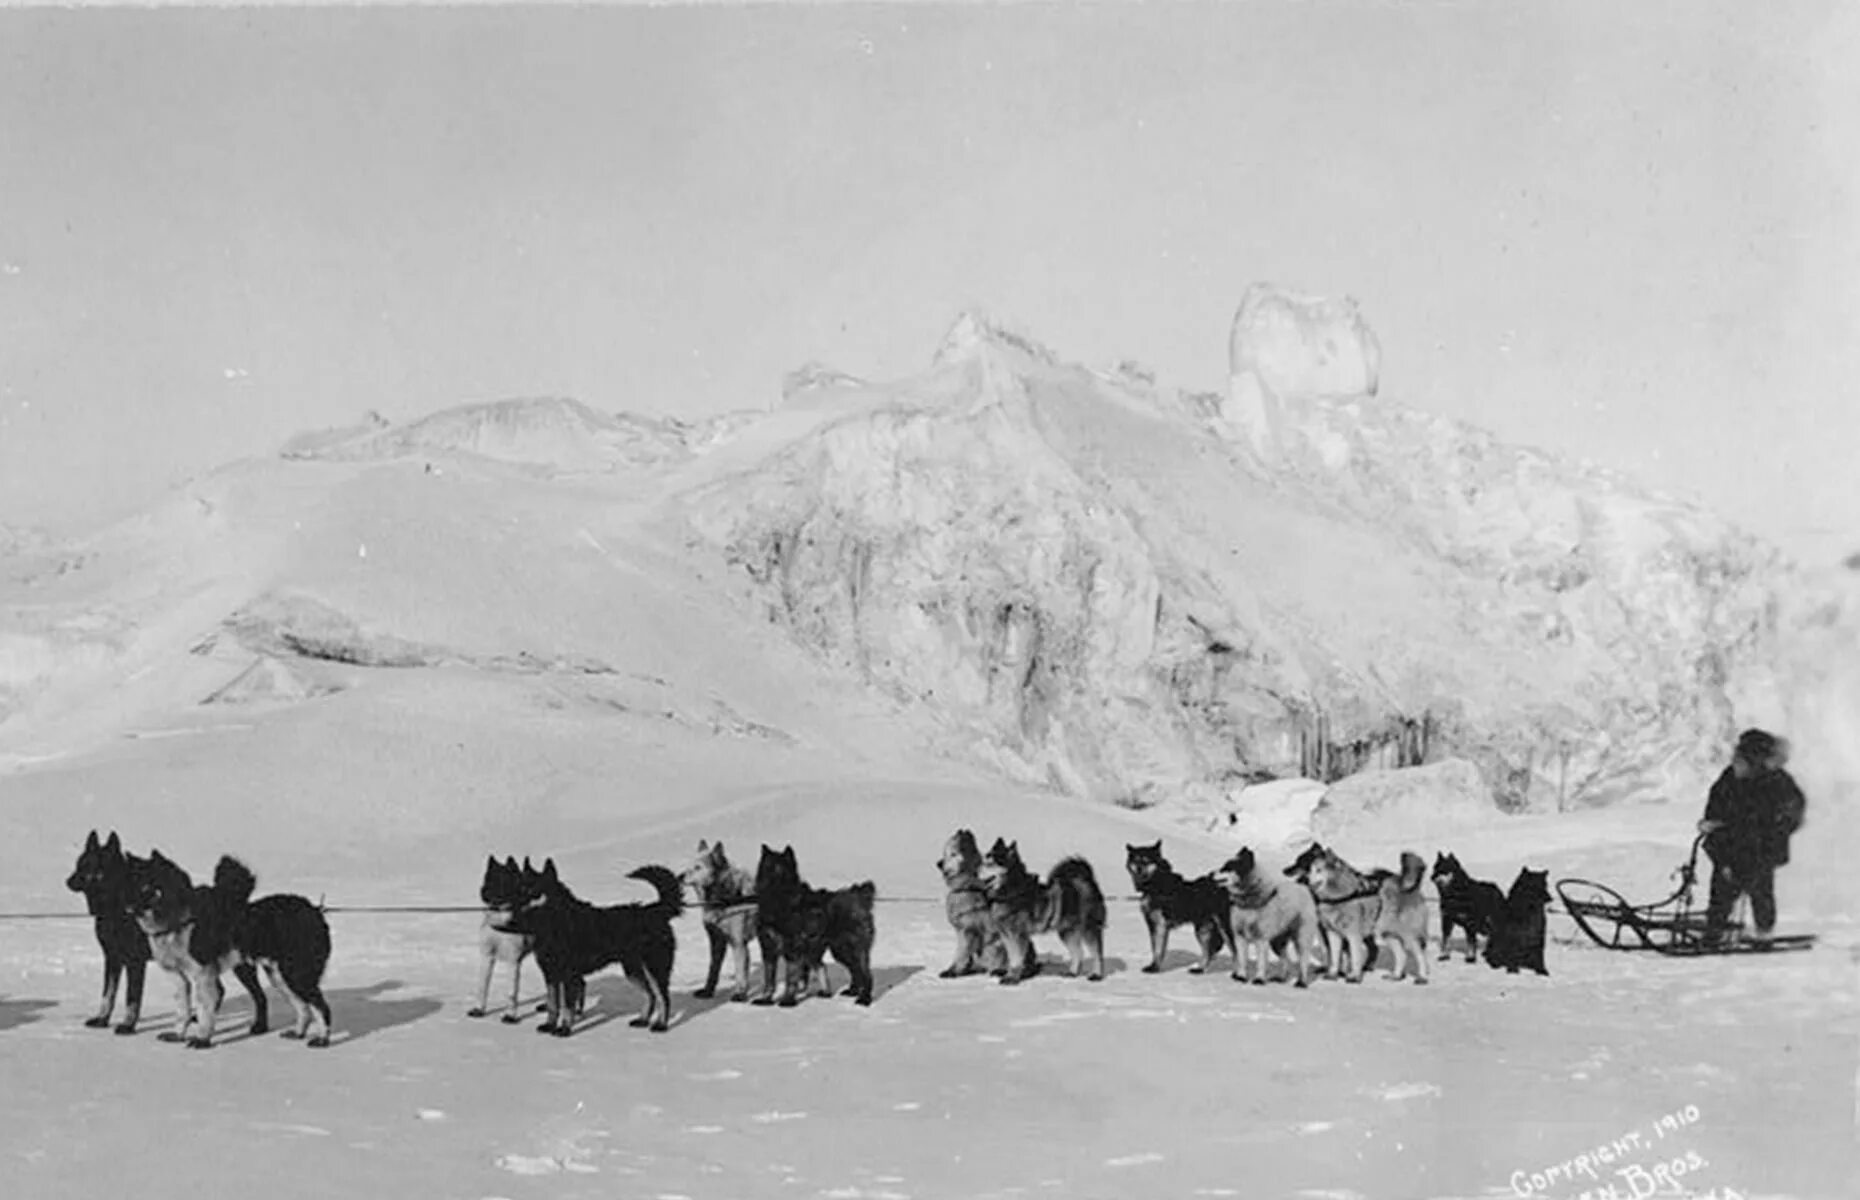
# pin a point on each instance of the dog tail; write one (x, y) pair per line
(671, 889)
(1413, 871)
(1081, 900)
(234, 880)
(865, 893)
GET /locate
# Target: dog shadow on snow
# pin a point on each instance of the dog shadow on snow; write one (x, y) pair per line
(17, 1011)
(612, 998)
(355, 1013)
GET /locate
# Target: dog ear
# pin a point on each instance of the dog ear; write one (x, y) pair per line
(91, 842)
(510, 864)
(703, 846)
(490, 862)
(716, 851)
(548, 870)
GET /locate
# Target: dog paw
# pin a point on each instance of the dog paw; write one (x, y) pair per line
(1302, 984)
(1419, 979)
(1095, 977)
(474, 1012)
(96, 1022)
(1259, 983)
(639, 1022)
(169, 1036)
(1153, 969)
(125, 1029)
(762, 1001)
(511, 1019)
(319, 1042)
(660, 1027)
(258, 1029)
(546, 1027)
(788, 1001)
(199, 1043)
(291, 1035)
(704, 993)
(738, 997)
(1198, 969)
(561, 1031)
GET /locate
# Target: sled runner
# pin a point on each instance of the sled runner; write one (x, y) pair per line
(1671, 926)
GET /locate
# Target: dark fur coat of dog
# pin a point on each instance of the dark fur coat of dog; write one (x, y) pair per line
(1169, 900)
(798, 925)
(1518, 940)
(1068, 902)
(198, 933)
(1472, 905)
(573, 939)
(103, 877)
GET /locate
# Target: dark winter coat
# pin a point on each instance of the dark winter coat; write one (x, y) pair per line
(1759, 813)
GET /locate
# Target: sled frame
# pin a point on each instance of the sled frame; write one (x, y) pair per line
(1674, 926)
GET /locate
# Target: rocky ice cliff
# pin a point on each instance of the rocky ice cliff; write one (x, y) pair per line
(1129, 590)
(1075, 576)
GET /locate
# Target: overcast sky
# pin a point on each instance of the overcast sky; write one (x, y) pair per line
(1626, 231)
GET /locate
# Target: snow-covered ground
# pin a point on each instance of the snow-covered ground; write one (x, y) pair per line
(576, 681)
(1169, 1085)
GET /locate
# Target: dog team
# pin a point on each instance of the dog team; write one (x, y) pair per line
(1318, 914)
(1318, 908)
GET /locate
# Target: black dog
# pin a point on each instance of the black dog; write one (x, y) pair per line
(199, 932)
(1169, 900)
(1470, 904)
(102, 876)
(573, 939)
(1518, 936)
(797, 925)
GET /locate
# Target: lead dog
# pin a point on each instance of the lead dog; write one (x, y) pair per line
(103, 877)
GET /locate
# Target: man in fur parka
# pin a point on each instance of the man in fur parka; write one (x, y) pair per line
(1754, 808)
